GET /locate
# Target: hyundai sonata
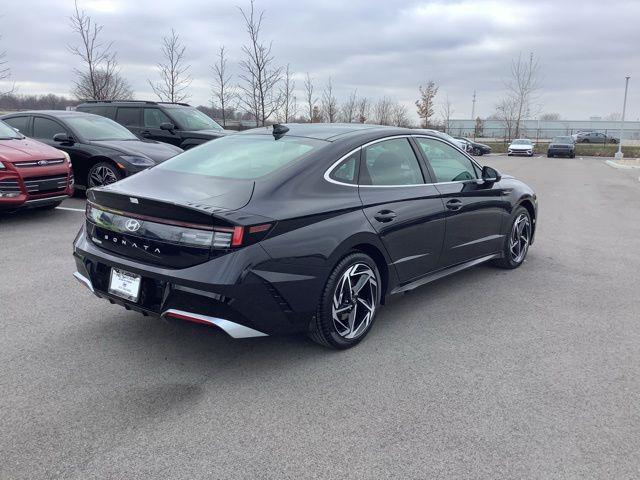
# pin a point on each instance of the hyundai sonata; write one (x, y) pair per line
(299, 228)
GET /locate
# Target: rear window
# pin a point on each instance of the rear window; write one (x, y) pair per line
(242, 156)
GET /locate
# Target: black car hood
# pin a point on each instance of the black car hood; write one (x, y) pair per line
(208, 134)
(198, 192)
(157, 151)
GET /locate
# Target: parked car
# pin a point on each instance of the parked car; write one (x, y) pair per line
(521, 146)
(32, 174)
(101, 150)
(475, 148)
(595, 137)
(179, 124)
(564, 146)
(299, 228)
(461, 144)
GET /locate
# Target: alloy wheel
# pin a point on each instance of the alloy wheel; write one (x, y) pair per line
(354, 301)
(102, 175)
(520, 237)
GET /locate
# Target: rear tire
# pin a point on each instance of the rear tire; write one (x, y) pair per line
(517, 241)
(345, 315)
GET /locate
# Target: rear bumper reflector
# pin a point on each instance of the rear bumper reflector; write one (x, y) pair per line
(83, 280)
(233, 329)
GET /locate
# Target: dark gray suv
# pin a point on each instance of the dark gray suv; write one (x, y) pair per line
(177, 123)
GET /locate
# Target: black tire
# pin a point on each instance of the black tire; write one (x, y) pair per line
(106, 171)
(549, 155)
(573, 155)
(507, 260)
(323, 329)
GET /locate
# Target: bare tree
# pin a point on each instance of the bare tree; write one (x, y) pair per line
(616, 116)
(522, 87)
(426, 103)
(100, 78)
(383, 111)
(362, 109)
(550, 116)
(506, 112)
(174, 73)
(329, 103)
(223, 90)
(400, 116)
(287, 94)
(260, 95)
(308, 95)
(446, 112)
(5, 73)
(350, 108)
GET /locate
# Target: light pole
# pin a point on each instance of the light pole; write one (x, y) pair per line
(619, 154)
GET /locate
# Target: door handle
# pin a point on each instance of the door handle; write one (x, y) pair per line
(385, 216)
(454, 204)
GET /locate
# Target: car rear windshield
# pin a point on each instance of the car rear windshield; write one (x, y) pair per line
(242, 156)
(95, 128)
(8, 133)
(562, 140)
(189, 118)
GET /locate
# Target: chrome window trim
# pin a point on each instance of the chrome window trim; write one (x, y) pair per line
(329, 171)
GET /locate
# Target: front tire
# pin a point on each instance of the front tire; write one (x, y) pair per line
(348, 304)
(101, 174)
(516, 243)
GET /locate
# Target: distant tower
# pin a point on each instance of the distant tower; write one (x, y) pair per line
(473, 106)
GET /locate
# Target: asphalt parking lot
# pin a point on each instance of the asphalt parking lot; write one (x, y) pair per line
(532, 373)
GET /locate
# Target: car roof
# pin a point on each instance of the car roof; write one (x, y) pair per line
(326, 131)
(52, 113)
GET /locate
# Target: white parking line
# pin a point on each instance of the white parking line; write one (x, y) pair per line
(70, 209)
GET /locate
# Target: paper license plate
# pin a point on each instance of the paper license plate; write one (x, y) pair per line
(124, 284)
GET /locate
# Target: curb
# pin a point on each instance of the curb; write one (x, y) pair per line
(614, 164)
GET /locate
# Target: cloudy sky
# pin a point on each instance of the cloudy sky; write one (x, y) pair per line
(378, 47)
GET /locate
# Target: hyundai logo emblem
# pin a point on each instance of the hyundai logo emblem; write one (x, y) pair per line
(132, 225)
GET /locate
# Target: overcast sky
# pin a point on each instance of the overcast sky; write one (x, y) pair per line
(378, 47)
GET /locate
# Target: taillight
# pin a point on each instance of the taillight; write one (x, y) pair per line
(229, 237)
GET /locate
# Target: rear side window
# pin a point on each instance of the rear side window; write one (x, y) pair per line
(154, 117)
(103, 111)
(19, 122)
(128, 116)
(347, 170)
(390, 162)
(242, 156)
(46, 128)
(448, 164)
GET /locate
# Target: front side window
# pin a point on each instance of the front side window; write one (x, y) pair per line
(189, 118)
(448, 164)
(7, 132)
(390, 162)
(94, 128)
(46, 128)
(128, 116)
(154, 117)
(242, 156)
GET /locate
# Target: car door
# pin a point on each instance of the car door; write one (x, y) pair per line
(473, 208)
(151, 121)
(130, 117)
(405, 210)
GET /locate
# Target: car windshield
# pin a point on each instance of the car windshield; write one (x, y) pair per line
(189, 118)
(562, 140)
(242, 156)
(522, 142)
(7, 132)
(95, 128)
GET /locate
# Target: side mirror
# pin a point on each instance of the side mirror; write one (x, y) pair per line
(167, 126)
(490, 174)
(62, 138)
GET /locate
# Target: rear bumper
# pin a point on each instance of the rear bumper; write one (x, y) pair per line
(560, 151)
(239, 292)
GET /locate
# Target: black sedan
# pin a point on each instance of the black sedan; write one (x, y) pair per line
(101, 150)
(562, 146)
(299, 228)
(476, 148)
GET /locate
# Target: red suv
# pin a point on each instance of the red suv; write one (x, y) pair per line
(32, 174)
